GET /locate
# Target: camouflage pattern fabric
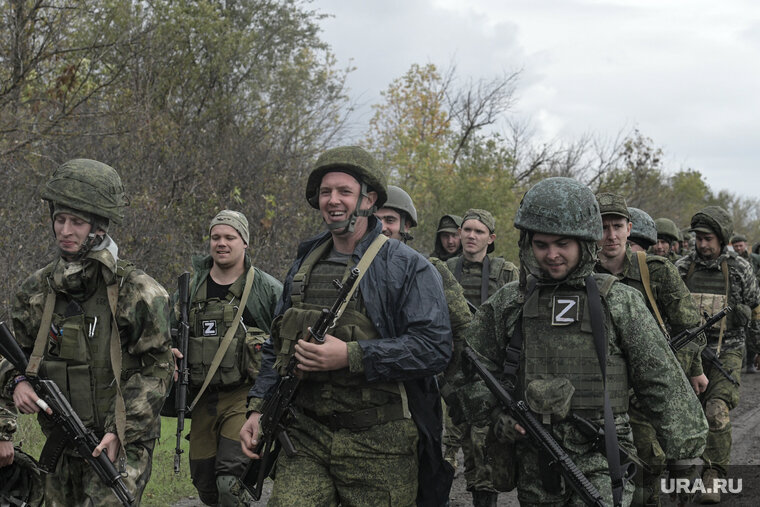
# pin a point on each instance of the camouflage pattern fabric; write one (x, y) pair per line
(477, 469)
(666, 397)
(376, 466)
(8, 425)
(501, 272)
(76, 483)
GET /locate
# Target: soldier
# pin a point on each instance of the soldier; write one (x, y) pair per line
(546, 320)
(643, 230)
(399, 215)
(368, 401)
(220, 280)
(481, 275)
(68, 312)
(670, 303)
(739, 243)
(447, 242)
(667, 233)
(718, 277)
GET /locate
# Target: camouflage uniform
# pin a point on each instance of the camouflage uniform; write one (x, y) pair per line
(82, 367)
(637, 355)
(678, 313)
(667, 230)
(707, 282)
(216, 459)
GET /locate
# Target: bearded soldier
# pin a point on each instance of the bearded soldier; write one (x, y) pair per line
(538, 336)
(217, 320)
(716, 277)
(86, 313)
(367, 413)
(447, 242)
(670, 303)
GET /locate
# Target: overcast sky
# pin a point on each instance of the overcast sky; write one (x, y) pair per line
(686, 73)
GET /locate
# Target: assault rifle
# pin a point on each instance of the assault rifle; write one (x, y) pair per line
(277, 412)
(538, 435)
(681, 339)
(69, 429)
(183, 378)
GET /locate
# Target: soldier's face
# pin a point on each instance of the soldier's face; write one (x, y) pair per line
(450, 241)
(740, 247)
(557, 256)
(475, 237)
(662, 247)
(338, 194)
(227, 247)
(391, 220)
(70, 232)
(707, 245)
(616, 232)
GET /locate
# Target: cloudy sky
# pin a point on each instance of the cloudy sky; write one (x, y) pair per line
(686, 73)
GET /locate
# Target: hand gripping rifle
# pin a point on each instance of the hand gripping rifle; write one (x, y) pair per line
(69, 429)
(538, 435)
(183, 379)
(277, 412)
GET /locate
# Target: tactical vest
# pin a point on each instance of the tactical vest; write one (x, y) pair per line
(471, 278)
(77, 357)
(210, 318)
(559, 343)
(324, 394)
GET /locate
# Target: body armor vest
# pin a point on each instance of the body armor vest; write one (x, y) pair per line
(710, 292)
(472, 277)
(559, 343)
(77, 357)
(339, 391)
(210, 318)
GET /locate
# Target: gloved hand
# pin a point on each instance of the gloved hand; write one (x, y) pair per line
(503, 427)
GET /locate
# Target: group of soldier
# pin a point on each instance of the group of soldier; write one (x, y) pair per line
(579, 332)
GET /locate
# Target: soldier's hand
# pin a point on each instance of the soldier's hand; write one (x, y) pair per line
(110, 444)
(249, 435)
(6, 453)
(328, 356)
(506, 429)
(177, 355)
(699, 384)
(27, 401)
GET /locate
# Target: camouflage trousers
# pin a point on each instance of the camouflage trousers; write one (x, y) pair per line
(720, 397)
(452, 433)
(477, 471)
(216, 457)
(372, 467)
(593, 464)
(76, 483)
(650, 452)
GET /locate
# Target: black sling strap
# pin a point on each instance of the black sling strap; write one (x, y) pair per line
(486, 272)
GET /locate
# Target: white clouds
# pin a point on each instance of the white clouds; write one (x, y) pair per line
(683, 71)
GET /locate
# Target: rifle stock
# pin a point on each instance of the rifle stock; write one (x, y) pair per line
(541, 439)
(277, 412)
(183, 372)
(66, 419)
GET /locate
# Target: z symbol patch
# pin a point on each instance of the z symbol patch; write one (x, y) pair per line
(565, 310)
(209, 327)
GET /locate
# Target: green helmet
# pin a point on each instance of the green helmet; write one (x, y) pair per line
(667, 228)
(90, 186)
(561, 206)
(22, 482)
(643, 227)
(399, 200)
(353, 160)
(714, 220)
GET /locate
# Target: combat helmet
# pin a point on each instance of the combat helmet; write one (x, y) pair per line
(399, 200)
(22, 483)
(714, 220)
(644, 231)
(360, 164)
(560, 206)
(667, 229)
(90, 186)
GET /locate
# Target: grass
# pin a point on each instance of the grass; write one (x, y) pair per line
(164, 488)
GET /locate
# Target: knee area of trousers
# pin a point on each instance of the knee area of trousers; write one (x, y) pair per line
(716, 413)
(227, 486)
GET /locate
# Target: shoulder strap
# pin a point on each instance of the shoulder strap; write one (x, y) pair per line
(362, 266)
(458, 268)
(484, 277)
(39, 344)
(115, 351)
(646, 281)
(225, 344)
(726, 281)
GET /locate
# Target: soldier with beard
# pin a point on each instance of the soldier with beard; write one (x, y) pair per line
(447, 242)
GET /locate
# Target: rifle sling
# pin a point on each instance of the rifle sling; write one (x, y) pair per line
(646, 282)
(219, 355)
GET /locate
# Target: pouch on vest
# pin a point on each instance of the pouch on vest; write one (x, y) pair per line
(710, 304)
(550, 398)
(208, 333)
(73, 339)
(76, 380)
(254, 341)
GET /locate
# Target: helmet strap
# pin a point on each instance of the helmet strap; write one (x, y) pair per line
(349, 224)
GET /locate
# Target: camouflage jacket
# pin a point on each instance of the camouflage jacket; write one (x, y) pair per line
(673, 300)
(142, 314)
(743, 296)
(666, 397)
